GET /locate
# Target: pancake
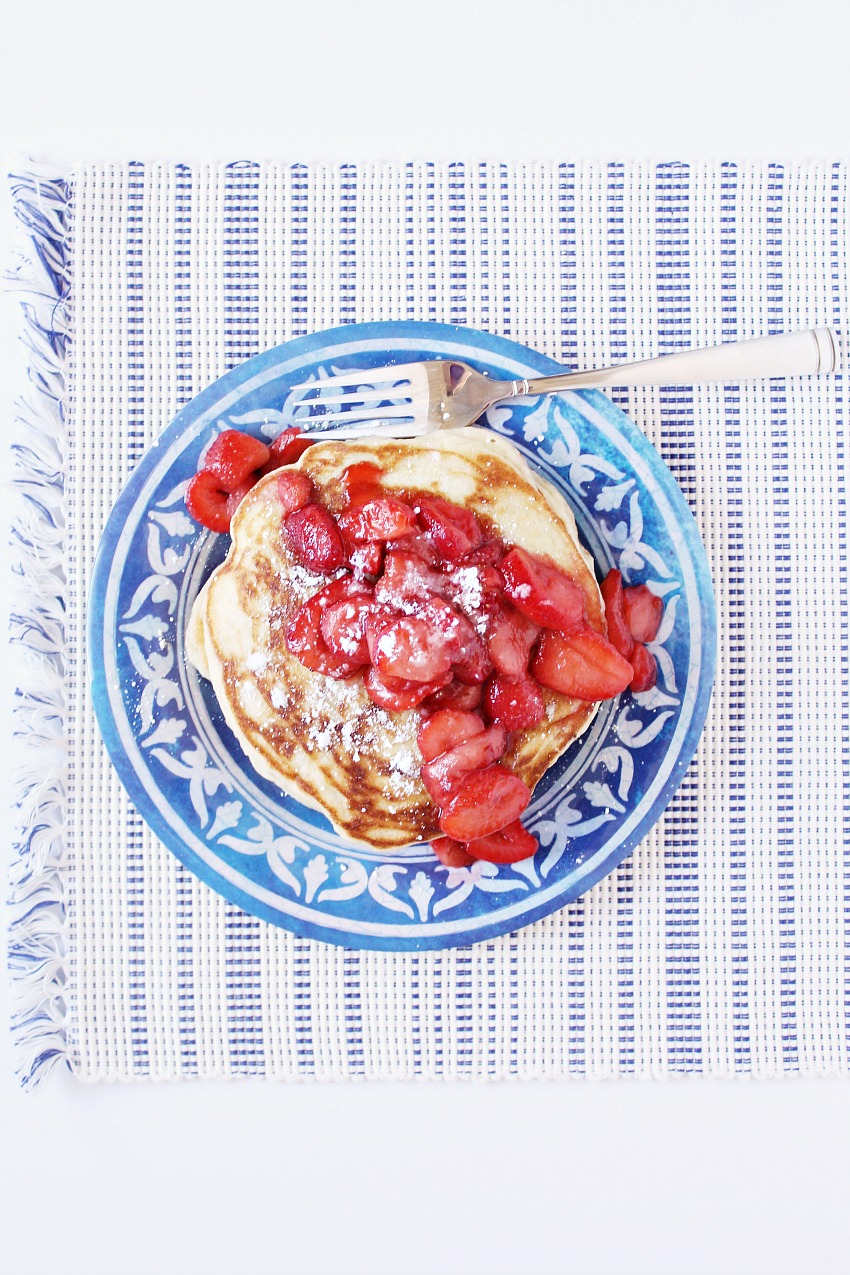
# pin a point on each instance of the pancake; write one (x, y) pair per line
(320, 739)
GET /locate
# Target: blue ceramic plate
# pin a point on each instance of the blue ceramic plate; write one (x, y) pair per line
(282, 861)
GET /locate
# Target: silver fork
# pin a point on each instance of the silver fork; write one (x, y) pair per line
(409, 399)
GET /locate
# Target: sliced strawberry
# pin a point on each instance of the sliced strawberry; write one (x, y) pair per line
(488, 554)
(583, 665)
(407, 579)
(510, 637)
(445, 773)
(445, 729)
(207, 501)
(473, 589)
(287, 448)
(485, 801)
(451, 853)
(304, 637)
(459, 695)
(453, 531)
(643, 611)
(542, 591)
(645, 668)
(515, 704)
(407, 646)
(233, 457)
(470, 661)
(235, 498)
(398, 694)
(367, 559)
(508, 845)
(294, 489)
(314, 538)
(420, 546)
(619, 634)
(343, 628)
(383, 518)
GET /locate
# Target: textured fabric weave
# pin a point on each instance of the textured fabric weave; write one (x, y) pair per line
(721, 946)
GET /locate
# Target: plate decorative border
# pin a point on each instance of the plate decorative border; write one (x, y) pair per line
(281, 860)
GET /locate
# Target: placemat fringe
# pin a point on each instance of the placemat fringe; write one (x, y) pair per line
(37, 629)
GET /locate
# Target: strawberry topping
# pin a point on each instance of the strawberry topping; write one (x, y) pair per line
(506, 845)
(208, 502)
(452, 531)
(381, 518)
(643, 612)
(314, 538)
(287, 448)
(619, 633)
(542, 591)
(234, 457)
(485, 801)
(452, 853)
(444, 774)
(398, 693)
(294, 489)
(515, 704)
(645, 669)
(446, 728)
(582, 665)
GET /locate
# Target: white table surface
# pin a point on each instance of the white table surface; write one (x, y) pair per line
(686, 1176)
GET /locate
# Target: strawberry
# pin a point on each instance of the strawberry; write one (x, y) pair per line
(583, 665)
(445, 729)
(619, 634)
(457, 695)
(367, 559)
(507, 845)
(294, 489)
(645, 670)
(451, 853)
(418, 545)
(407, 646)
(406, 579)
(471, 662)
(397, 693)
(314, 539)
(516, 705)
(474, 588)
(287, 448)
(445, 773)
(304, 637)
(343, 628)
(383, 518)
(542, 591)
(488, 554)
(453, 531)
(485, 801)
(643, 612)
(208, 502)
(233, 457)
(510, 637)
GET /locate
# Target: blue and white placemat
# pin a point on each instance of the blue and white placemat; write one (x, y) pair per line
(721, 946)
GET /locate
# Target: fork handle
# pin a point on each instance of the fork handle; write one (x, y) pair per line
(790, 354)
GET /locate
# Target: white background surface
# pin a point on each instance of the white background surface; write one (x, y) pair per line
(686, 1176)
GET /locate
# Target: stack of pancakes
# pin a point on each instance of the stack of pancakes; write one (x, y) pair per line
(323, 740)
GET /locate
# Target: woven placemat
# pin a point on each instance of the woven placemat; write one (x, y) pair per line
(721, 946)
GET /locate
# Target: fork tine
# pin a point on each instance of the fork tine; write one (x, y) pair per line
(365, 394)
(317, 422)
(367, 377)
